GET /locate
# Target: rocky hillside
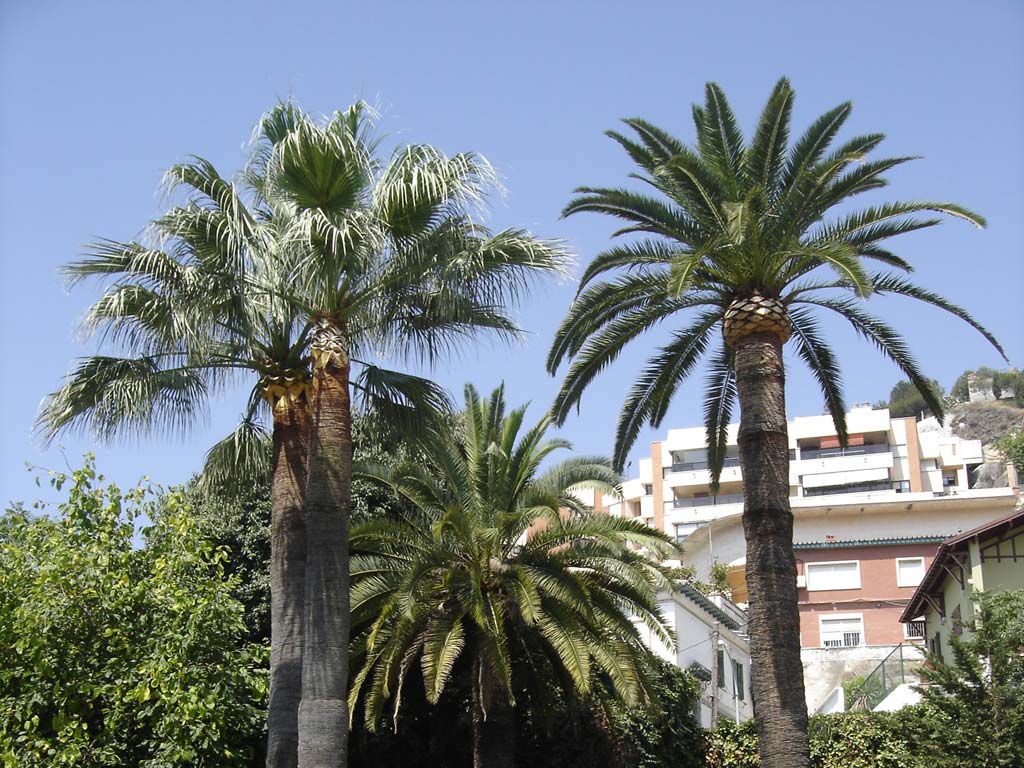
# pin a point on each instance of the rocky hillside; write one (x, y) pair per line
(985, 421)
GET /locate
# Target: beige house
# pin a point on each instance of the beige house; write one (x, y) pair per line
(989, 558)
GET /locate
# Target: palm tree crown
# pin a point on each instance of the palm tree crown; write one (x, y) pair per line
(467, 572)
(738, 234)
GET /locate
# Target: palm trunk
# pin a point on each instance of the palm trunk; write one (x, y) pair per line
(287, 578)
(777, 680)
(323, 713)
(494, 735)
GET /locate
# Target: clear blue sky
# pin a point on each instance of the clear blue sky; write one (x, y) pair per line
(99, 98)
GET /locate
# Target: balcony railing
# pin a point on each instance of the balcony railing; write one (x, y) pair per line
(706, 501)
(852, 450)
(689, 466)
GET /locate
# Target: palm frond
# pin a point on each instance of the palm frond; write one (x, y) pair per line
(719, 398)
(889, 342)
(110, 396)
(819, 357)
(895, 284)
(648, 400)
(240, 460)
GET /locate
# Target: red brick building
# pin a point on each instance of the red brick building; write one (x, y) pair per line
(851, 593)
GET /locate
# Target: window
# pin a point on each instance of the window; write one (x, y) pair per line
(914, 630)
(648, 489)
(846, 631)
(909, 571)
(901, 486)
(949, 481)
(721, 668)
(737, 679)
(839, 575)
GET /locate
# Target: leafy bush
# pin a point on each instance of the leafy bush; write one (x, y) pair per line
(1012, 449)
(972, 711)
(113, 654)
(850, 740)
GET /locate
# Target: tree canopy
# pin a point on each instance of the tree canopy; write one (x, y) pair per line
(121, 645)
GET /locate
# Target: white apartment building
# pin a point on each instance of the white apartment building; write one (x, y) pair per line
(885, 459)
(867, 521)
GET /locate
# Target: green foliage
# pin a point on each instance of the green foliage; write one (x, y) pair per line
(237, 520)
(850, 740)
(112, 654)
(720, 578)
(663, 733)
(723, 218)
(1012, 448)
(554, 729)
(906, 400)
(495, 561)
(972, 712)
(863, 691)
(997, 382)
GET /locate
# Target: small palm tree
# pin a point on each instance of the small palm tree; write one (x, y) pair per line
(393, 264)
(743, 241)
(469, 574)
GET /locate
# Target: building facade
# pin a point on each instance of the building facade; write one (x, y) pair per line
(867, 521)
(989, 558)
(711, 644)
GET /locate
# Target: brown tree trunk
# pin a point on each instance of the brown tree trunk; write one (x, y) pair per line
(494, 731)
(777, 679)
(323, 713)
(287, 578)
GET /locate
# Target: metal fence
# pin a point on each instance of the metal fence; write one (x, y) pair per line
(902, 665)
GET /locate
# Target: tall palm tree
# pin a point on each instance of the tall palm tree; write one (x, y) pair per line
(468, 574)
(187, 311)
(395, 265)
(743, 240)
(200, 305)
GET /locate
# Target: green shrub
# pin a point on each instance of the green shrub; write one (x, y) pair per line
(850, 740)
(115, 654)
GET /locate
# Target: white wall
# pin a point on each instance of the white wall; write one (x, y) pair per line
(694, 630)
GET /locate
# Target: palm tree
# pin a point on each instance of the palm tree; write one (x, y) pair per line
(196, 308)
(743, 240)
(467, 573)
(395, 265)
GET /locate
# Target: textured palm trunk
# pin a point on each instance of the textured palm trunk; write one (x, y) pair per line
(777, 680)
(494, 733)
(323, 713)
(287, 577)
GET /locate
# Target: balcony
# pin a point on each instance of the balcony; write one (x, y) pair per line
(690, 466)
(704, 501)
(852, 450)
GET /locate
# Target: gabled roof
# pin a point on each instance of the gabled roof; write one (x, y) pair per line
(934, 577)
